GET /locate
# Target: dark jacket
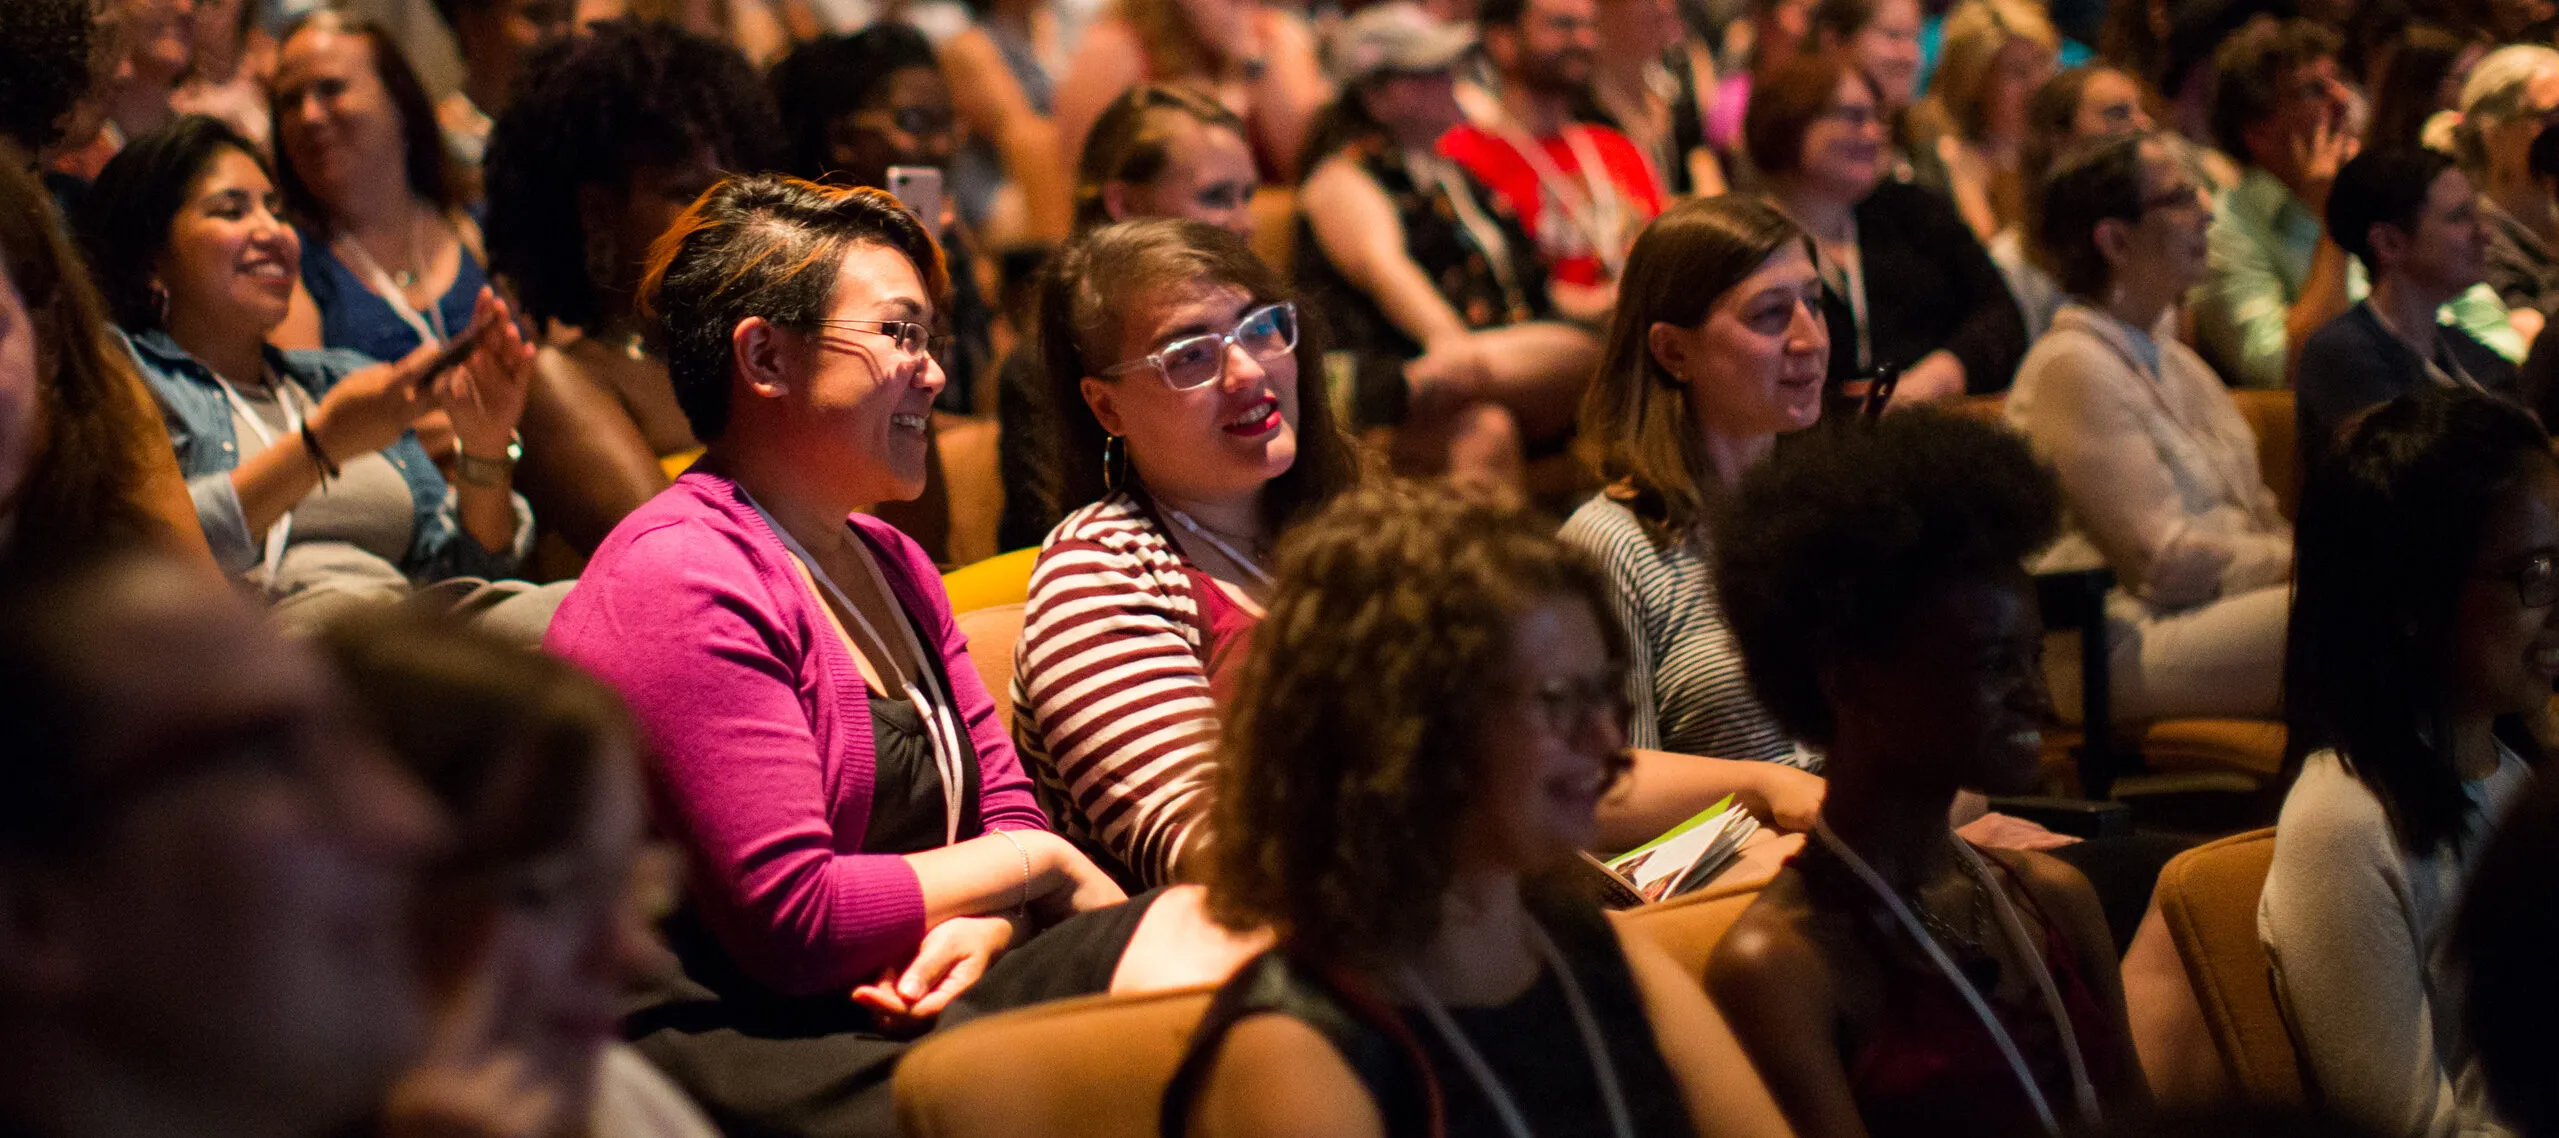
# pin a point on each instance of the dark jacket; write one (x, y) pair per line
(1929, 285)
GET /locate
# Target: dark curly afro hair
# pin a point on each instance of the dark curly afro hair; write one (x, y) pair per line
(1827, 548)
(591, 109)
(44, 66)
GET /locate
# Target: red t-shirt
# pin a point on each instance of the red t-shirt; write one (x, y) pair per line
(1570, 255)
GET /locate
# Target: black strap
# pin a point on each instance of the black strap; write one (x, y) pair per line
(1359, 1024)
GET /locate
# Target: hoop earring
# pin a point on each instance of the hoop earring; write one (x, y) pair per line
(1114, 462)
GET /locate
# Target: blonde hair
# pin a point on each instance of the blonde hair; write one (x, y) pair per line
(1976, 32)
(2495, 93)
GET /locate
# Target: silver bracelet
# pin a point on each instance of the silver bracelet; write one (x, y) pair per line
(1007, 835)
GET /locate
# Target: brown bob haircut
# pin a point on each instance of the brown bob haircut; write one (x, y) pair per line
(1088, 296)
(764, 245)
(1352, 752)
(1786, 102)
(515, 746)
(1636, 423)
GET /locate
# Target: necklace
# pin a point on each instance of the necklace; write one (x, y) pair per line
(1620, 1121)
(2028, 954)
(1247, 564)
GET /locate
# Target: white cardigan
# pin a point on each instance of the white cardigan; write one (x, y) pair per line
(2157, 465)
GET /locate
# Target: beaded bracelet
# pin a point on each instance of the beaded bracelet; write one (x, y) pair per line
(1026, 871)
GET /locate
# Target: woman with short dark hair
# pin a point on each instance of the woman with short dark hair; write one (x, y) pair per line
(862, 839)
(1895, 979)
(2155, 458)
(1906, 285)
(2425, 635)
(1420, 738)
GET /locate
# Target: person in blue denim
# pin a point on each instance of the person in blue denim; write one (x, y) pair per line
(302, 465)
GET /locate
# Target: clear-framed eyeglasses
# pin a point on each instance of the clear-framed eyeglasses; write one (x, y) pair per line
(1192, 362)
(2535, 578)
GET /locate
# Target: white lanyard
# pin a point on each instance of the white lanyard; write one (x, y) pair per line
(429, 326)
(1594, 207)
(922, 691)
(1620, 1122)
(1852, 282)
(1232, 554)
(277, 533)
(2028, 953)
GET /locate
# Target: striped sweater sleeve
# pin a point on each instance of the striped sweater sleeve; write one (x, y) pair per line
(1608, 535)
(1113, 689)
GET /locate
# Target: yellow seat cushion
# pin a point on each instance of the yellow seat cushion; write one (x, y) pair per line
(1004, 579)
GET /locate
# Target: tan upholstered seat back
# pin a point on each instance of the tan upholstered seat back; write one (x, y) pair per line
(992, 634)
(1689, 927)
(2208, 896)
(1086, 1068)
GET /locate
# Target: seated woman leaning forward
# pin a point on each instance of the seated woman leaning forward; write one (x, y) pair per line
(861, 839)
(1420, 741)
(1894, 979)
(1192, 428)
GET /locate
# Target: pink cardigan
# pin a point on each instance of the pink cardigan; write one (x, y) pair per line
(760, 726)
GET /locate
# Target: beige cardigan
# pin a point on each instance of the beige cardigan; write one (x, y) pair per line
(2157, 465)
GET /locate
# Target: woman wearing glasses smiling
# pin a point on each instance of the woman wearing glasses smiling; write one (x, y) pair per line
(861, 838)
(1192, 428)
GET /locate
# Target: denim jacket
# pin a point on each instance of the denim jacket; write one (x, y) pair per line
(199, 420)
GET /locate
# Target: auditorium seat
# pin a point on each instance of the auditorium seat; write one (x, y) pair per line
(2208, 897)
(1004, 579)
(1689, 927)
(992, 632)
(1093, 1067)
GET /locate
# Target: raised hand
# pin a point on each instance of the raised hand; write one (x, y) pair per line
(369, 409)
(485, 396)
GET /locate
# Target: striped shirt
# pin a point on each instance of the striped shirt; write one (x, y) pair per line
(1684, 673)
(1113, 712)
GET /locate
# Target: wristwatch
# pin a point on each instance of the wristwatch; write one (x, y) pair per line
(488, 471)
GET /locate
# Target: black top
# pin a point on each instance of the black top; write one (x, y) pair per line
(760, 1061)
(1531, 1043)
(1439, 242)
(2352, 362)
(1929, 285)
(1074, 957)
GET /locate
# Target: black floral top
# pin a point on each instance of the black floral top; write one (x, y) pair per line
(1439, 238)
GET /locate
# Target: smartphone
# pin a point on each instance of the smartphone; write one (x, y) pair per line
(456, 350)
(919, 188)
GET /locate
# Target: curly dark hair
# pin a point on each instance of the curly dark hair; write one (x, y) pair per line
(44, 67)
(1350, 757)
(2392, 520)
(1829, 546)
(2503, 938)
(761, 245)
(588, 111)
(830, 77)
(1085, 294)
(2249, 69)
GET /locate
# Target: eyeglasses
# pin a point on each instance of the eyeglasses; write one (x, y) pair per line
(2536, 581)
(912, 338)
(1563, 707)
(922, 122)
(1265, 333)
(2182, 194)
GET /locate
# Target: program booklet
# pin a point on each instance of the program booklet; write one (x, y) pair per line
(1682, 860)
